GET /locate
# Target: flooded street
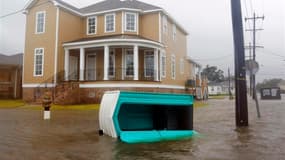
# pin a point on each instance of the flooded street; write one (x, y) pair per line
(73, 135)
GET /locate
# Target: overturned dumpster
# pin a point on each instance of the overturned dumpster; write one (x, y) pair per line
(136, 117)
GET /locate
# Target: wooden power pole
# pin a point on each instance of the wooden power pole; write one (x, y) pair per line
(254, 30)
(240, 78)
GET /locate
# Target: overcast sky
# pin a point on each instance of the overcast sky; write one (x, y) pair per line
(207, 21)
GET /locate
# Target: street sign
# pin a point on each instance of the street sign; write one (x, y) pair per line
(251, 67)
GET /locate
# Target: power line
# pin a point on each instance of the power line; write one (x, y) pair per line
(13, 13)
(246, 12)
(21, 10)
(251, 6)
(216, 58)
(272, 53)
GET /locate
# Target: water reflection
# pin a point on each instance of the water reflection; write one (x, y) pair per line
(73, 135)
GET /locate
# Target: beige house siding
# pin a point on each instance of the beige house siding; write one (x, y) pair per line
(101, 25)
(73, 27)
(70, 28)
(147, 26)
(178, 48)
(45, 40)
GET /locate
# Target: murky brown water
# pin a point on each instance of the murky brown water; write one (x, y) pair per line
(72, 135)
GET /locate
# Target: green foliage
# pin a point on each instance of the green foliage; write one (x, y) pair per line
(267, 83)
(213, 74)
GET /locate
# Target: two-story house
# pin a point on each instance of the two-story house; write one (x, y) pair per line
(78, 53)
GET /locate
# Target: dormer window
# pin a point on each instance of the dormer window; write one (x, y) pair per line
(91, 25)
(130, 22)
(110, 23)
(40, 22)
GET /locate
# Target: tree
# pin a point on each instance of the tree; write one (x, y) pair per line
(213, 74)
(268, 83)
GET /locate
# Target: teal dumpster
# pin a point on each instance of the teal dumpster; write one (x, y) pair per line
(136, 117)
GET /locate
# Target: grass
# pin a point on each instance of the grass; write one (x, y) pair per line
(81, 107)
(217, 97)
(200, 104)
(6, 104)
(11, 103)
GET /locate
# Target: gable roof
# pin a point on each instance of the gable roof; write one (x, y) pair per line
(115, 4)
(107, 6)
(16, 59)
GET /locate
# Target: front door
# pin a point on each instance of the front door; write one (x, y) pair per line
(73, 68)
(91, 67)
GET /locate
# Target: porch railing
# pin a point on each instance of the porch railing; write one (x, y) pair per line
(119, 74)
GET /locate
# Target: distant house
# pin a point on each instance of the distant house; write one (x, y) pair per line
(79, 53)
(198, 85)
(11, 76)
(282, 86)
(221, 88)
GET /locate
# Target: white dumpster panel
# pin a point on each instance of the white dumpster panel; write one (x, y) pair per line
(106, 112)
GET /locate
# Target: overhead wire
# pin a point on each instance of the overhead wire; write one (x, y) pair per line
(266, 51)
(216, 58)
(21, 10)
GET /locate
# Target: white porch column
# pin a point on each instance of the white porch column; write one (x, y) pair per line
(66, 64)
(156, 76)
(82, 64)
(136, 62)
(106, 62)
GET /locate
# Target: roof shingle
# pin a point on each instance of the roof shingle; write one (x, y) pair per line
(115, 4)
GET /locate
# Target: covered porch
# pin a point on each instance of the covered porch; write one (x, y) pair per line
(116, 59)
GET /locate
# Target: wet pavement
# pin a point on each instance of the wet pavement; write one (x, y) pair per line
(73, 135)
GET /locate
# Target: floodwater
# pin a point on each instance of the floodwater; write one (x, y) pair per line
(73, 135)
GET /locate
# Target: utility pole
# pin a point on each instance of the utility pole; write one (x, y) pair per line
(240, 78)
(249, 47)
(254, 30)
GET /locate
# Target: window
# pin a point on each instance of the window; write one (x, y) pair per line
(112, 63)
(129, 63)
(110, 23)
(148, 64)
(91, 25)
(40, 22)
(164, 23)
(181, 66)
(174, 32)
(131, 22)
(38, 62)
(173, 67)
(163, 65)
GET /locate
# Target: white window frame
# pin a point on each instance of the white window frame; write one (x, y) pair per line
(87, 25)
(173, 67)
(35, 58)
(125, 62)
(164, 24)
(114, 62)
(135, 23)
(44, 21)
(114, 22)
(174, 32)
(147, 53)
(182, 66)
(163, 64)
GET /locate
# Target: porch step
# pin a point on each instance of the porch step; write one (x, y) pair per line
(67, 93)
